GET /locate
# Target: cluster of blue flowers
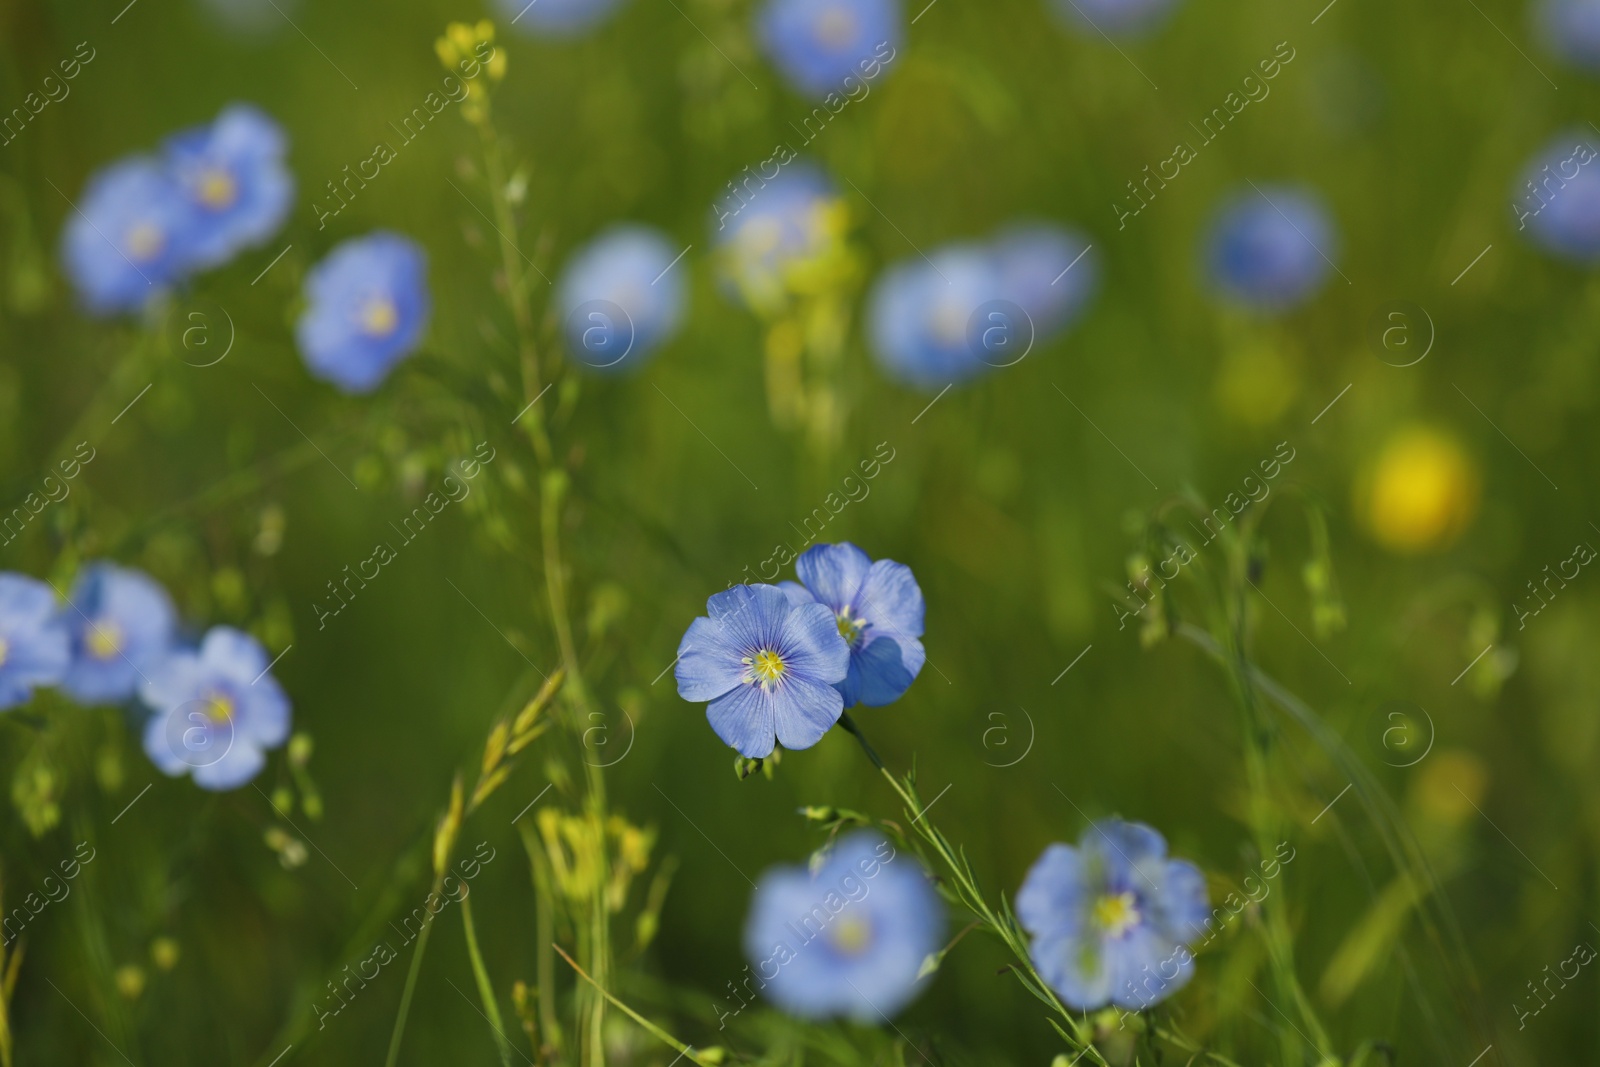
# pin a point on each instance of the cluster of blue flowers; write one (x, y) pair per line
(212, 711)
(1111, 919)
(147, 222)
(778, 664)
(968, 307)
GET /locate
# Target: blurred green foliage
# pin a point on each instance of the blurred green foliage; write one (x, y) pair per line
(207, 921)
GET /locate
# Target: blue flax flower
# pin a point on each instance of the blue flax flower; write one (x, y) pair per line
(33, 640)
(367, 308)
(848, 938)
(1571, 29)
(1267, 249)
(818, 44)
(128, 237)
(216, 710)
(557, 18)
(624, 269)
(1112, 919)
(768, 668)
(877, 607)
(1558, 199)
(1114, 18)
(921, 312)
(233, 174)
(121, 623)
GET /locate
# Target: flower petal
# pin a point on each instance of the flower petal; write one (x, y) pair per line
(834, 573)
(1076, 970)
(750, 616)
(812, 646)
(1054, 895)
(1184, 906)
(804, 710)
(881, 671)
(708, 665)
(797, 593)
(1144, 967)
(891, 601)
(743, 718)
(237, 766)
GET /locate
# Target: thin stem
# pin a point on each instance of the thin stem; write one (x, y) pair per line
(411, 979)
(684, 1050)
(491, 1007)
(850, 726)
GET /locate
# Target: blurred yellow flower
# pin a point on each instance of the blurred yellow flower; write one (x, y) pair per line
(1421, 493)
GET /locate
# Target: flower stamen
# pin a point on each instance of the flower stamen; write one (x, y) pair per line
(1116, 913)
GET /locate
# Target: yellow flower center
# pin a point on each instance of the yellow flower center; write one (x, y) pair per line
(218, 190)
(379, 316)
(5, 650)
(105, 639)
(767, 666)
(850, 629)
(836, 28)
(218, 708)
(850, 934)
(1115, 913)
(144, 241)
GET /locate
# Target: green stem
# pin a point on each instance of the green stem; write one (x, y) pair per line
(491, 1006)
(411, 980)
(684, 1050)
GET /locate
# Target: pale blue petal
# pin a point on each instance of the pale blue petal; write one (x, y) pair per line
(804, 710)
(1144, 967)
(891, 600)
(1184, 905)
(1075, 969)
(881, 672)
(708, 664)
(834, 573)
(1055, 894)
(812, 646)
(241, 763)
(797, 593)
(743, 718)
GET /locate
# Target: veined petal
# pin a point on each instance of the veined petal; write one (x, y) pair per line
(803, 710)
(743, 718)
(750, 616)
(797, 593)
(812, 646)
(834, 573)
(891, 601)
(708, 664)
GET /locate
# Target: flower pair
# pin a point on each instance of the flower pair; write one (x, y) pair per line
(779, 664)
(214, 709)
(148, 222)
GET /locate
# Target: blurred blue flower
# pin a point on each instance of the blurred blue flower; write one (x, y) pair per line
(847, 939)
(1112, 918)
(817, 44)
(789, 222)
(877, 607)
(1034, 260)
(624, 269)
(121, 623)
(1558, 199)
(233, 174)
(215, 710)
(920, 315)
(33, 640)
(556, 18)
(367, 308)
(1267, 247)
(128, 237)
(1571, 29)
(767, 667)
(1114, 18)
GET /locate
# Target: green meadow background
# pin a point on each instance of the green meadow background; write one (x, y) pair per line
(1016, 507)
